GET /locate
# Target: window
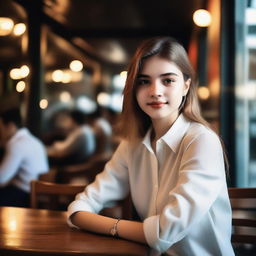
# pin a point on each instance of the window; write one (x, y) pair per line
(245, 92)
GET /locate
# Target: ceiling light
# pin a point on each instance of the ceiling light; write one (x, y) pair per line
(20, 86)
(66, 78)
(19, 73)
(202, 18)
(104, 99)
(19, 29)
(76, 65)
(24, 71)
(65, 96)
(203, 93)
(43, 103)
(15, 74)
(6, 26)
(57, 75)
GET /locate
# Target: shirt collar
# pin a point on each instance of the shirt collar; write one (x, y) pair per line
(147, 140)
(19, 133)
(176, 133)
(173, 136)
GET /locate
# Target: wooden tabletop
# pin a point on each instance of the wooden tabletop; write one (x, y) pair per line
(34, 232)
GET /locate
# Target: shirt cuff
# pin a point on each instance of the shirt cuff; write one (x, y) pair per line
(151, 231)
(77, 206)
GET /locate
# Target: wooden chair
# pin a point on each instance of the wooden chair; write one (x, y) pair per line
(52, 195)
(243, 203)
(83, 173)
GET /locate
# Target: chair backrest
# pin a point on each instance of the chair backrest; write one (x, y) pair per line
(243, 203)
(85, 172)
(52, 195)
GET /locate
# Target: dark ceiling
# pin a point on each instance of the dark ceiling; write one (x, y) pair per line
(106, 31)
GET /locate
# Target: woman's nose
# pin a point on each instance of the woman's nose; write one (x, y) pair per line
(156, 90)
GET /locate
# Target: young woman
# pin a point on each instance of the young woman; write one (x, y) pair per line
(170, 162)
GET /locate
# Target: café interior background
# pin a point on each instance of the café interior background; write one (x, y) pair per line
(74, 53)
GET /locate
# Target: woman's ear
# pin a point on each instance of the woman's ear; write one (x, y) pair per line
(186, 86)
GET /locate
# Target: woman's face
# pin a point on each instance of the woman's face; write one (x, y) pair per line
(160, 88)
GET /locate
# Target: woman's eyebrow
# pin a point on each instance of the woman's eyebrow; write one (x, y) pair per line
(165, 74)
(169, 74)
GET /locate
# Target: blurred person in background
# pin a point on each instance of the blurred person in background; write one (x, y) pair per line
(24, 159)
(102, 130)
(79, 143)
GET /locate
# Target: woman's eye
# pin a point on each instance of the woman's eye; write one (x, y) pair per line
(143, 81)
(168, 81)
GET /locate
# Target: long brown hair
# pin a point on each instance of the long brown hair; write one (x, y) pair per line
(134, 122)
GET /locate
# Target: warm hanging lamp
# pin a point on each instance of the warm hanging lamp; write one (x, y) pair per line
(202, 18)
(6, 26)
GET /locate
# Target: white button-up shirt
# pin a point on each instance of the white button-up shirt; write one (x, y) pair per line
(24, 160)
(180, 192)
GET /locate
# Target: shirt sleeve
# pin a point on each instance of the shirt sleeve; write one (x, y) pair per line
(10, 163)
(81, 141)
(109, 186)
(66, 147)
(201, 178)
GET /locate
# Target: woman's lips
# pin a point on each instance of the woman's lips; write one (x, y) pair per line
(156, 104)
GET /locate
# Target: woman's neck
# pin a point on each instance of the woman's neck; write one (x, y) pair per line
(161, 126)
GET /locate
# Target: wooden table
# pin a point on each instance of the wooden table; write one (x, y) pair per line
(34, 232)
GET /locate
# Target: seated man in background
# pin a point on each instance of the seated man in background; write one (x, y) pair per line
(77, 146)
(24, 159)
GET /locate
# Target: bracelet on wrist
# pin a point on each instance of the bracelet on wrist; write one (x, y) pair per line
(113, 230)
